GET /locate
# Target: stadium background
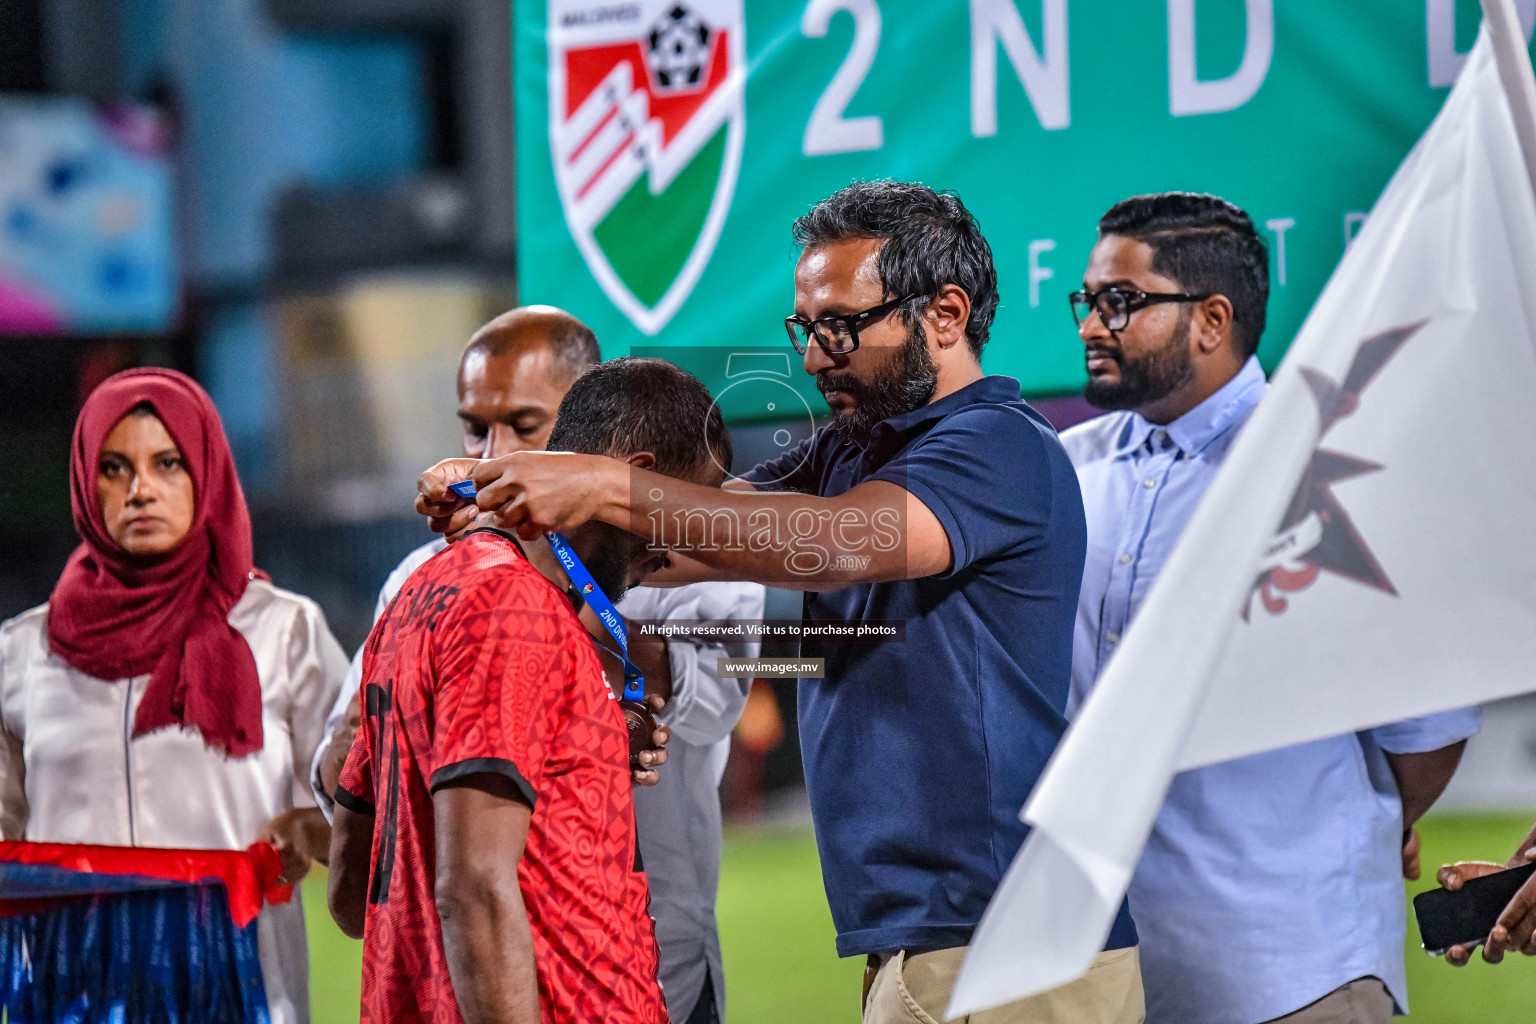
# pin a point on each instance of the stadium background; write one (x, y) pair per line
(309, 205)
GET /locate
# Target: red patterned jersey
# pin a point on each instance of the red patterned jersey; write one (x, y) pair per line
(480, 665)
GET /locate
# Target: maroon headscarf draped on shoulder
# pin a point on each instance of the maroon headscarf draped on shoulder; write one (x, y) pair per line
(113, 615)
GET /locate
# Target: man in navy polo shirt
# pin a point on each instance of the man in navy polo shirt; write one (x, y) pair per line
(934, 496)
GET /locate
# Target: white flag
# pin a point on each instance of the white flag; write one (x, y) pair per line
(1365, 555)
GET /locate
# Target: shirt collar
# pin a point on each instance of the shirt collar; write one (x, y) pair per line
(572, 592)
(1228, 406)
(892, 434)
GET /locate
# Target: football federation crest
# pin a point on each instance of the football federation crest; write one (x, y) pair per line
(646, 122)
(1317, 534)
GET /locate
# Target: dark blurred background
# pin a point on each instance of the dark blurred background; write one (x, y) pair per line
(314, 211)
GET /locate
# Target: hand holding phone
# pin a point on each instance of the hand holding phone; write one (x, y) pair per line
(1466, 917)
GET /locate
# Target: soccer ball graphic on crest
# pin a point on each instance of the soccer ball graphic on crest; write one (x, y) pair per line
(679, 48)
(646, 122)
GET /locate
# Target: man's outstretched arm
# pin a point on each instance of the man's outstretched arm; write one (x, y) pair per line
(875, 532)
(482, 827)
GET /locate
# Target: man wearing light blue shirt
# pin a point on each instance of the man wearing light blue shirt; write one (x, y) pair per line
(1270, 887)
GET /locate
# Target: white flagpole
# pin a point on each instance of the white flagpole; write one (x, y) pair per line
(1514, 63)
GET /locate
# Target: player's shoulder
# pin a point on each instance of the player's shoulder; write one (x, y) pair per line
(411, 562)
(488, 568)
(1097, 439)
(482, 555)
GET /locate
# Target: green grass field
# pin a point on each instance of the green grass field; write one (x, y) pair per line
(780, 963)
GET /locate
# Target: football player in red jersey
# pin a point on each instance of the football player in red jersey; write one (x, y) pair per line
(484, 843)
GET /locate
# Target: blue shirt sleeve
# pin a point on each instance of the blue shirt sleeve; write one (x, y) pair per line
(1431, 732)
(795, 470)
(986, 474)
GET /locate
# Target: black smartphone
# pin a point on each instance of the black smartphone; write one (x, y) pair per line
(1466, 916)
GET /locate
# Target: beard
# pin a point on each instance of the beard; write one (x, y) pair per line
(904, 381)
(1147, 379)
(607, 554)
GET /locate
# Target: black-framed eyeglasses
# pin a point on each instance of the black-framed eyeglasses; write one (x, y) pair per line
(838, 335)
(1115, 305)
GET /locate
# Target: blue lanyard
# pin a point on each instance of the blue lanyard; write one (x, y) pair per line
(634, 680)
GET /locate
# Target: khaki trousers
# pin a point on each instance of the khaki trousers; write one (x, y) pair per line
(1362, 1001)
(914, 989)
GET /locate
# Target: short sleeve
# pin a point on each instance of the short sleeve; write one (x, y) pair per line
(1431, 732)
(795, 470)
(354, 789)
(986, 475)
(498, 653)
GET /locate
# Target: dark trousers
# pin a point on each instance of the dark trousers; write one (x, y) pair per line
(704, 1009)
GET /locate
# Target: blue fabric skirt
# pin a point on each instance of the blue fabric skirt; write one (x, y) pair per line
(144, 951)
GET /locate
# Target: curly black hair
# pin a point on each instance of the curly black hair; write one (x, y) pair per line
(930, 240)
(635, 404)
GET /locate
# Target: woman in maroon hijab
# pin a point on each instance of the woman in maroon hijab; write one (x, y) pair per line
(168, 694)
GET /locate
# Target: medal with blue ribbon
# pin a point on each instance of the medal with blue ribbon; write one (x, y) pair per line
(637, 715)
(634, 680)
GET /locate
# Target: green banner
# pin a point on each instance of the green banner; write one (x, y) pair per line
(665, 146)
